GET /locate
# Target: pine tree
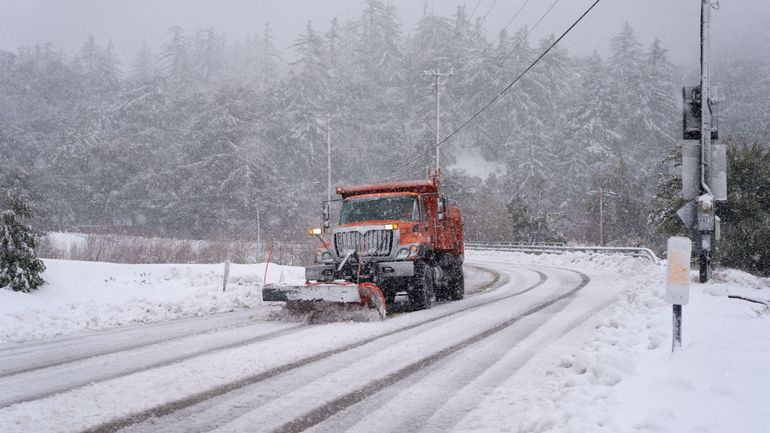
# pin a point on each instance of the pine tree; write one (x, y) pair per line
(624, 205)
(99, 65)
(660, 106)
(209, 55)
(592, 118)
(530, 225)
(143, 67)
(662, 219)
(746, 218)
(175, 57)
(270, 58)
(625, 71)
(379, 49)
(20, 268)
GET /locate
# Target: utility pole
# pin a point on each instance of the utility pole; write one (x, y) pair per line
(328, 157)
(705, 208)
(438, 74)
(601, 216)
(258, 234)
(601, 193)
(704, 164)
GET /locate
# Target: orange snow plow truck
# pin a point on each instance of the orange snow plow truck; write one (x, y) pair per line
(399, 237)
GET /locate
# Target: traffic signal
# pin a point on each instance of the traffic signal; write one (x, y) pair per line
(691, 113)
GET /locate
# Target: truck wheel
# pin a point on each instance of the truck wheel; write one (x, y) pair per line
(390, 299)
(421, 295)
(442, 293)
(457, 284)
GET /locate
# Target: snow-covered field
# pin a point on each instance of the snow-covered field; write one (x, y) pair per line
(93, 296)
(612, 372)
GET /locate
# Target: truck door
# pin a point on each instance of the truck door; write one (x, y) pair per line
(443, 235)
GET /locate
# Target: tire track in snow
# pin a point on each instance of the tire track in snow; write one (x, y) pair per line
(23, 358)
(220, 410)
(436, 399)
(177, 405)
(324, 412)
(62, 374)
(34, 355)
(69, 384)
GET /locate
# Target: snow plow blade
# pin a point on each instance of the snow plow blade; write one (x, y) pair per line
(312, 295)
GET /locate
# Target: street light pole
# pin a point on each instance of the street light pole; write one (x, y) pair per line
(438, 74)
(328, 158)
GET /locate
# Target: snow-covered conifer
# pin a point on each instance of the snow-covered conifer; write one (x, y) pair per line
(20, 268)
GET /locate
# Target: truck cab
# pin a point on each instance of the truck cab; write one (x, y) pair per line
(402, 236)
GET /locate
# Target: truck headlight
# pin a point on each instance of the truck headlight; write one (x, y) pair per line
(409, 251)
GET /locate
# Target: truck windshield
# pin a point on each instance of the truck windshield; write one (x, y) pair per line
(402, 208)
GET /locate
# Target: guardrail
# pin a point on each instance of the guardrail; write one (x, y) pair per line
(561, 249)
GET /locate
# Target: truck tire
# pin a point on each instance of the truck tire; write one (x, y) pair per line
(390, 299)
(457, 283)
(421, 295)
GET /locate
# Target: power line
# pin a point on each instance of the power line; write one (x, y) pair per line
(470, 17)
(516, 14)
(484, 18)
(416, 158)
(530, 29)
(534, 26)
(543, 17)
(504, 90)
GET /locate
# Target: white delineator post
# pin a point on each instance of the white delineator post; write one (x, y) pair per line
(678, 282)
(226, 274)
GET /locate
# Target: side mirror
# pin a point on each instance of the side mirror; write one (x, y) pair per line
(327, 215)
(441, 208)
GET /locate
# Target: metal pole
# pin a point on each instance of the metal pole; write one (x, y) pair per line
(258, 240)
(328, 158)
(677, 341)
(705, 134)
(438, 119)
(438, 74)
(705, 85)
(601, 216)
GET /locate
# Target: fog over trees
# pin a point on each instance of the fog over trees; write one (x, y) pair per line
(197, 134)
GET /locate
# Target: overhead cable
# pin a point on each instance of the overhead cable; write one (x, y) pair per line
(504, 90)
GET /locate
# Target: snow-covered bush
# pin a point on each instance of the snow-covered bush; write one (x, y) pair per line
(20, 268)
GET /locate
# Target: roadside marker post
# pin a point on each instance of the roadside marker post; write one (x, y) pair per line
(226, 274)
(678, 282)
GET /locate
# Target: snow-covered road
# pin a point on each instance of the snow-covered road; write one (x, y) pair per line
(570, 343)
(238, 372)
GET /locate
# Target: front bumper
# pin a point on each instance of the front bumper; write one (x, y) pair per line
(403, 268)
(385, 269)
(320, 272)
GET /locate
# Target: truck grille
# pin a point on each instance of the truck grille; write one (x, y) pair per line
(368, 242)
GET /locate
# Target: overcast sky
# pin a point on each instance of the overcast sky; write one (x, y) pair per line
(127, 24)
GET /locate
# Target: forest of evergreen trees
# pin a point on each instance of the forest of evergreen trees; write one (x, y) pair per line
(194, 136)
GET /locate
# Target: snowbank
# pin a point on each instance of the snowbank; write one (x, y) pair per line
(93, 295)
(623, 376)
